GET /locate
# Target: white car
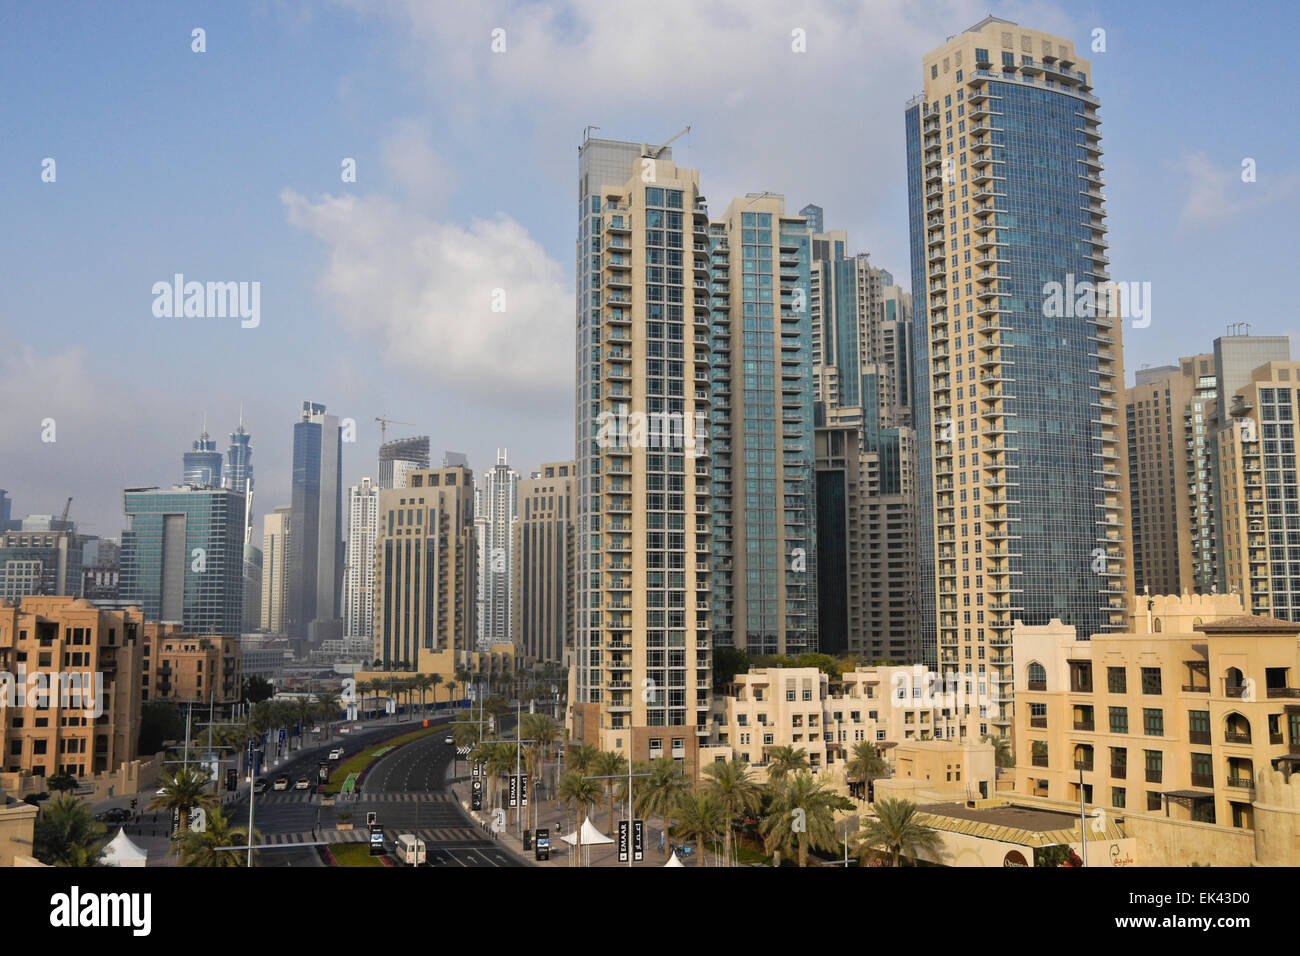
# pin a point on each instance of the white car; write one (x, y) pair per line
(449, 739)
(336, 753)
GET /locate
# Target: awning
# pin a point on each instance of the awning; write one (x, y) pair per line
(1189, 794)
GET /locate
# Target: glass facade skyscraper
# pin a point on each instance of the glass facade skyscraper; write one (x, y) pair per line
(1023, 480)
(202, 464)
(315, 522)
(182, 557)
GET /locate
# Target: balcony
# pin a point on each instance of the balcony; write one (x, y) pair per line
(1155, 776)
(1119, 770)
(1236, 737)
(1203, 780)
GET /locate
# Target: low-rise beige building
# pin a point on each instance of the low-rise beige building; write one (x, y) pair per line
(1192, 714)
(804, 708)
(88, 659)
(185, 668)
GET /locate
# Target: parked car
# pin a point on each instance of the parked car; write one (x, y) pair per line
(303, 783)
(260, 785)
(281, 783)
(115, 815)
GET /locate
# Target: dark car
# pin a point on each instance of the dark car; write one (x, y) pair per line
(35, 798)
(115, 815)
(260, 785)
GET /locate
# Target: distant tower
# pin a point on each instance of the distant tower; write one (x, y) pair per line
(495, 504)
(202, 465)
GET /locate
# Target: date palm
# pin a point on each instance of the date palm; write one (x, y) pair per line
(659, 793)
(67, 835)
(897, 831)
(783, 761)
(183, 790)
(865, 765)
(733, 786)
(700, 818)
(201, 848)
(801, 817)
(610, 764)
(580, 758)
(1002, 755)
(581, 794)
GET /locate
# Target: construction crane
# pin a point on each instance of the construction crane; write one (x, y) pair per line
(383, 427)
(66, 508)
(652, 152)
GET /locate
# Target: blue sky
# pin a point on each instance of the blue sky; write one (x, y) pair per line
(225, 166)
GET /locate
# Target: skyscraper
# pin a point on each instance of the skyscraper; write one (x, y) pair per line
(760, 443)
(542, 564)
(202, 464)
(640, 681)
(400, 457)
(1022, 482)
(34, 561)
(494, 516)
(315, 524)
(861, 354)
(1168, 475)
(1259, 491)
(425, 572)
(182, 557)
(359, 574)
(275, 570)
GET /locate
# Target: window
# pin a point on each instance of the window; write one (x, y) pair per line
(1116, 680)
(1118, 762)
(1037, 676)
(1198, 726)
(1151, 680)
(1153, 721)
(1155, 765)
(1119, 720)
(1117, 797)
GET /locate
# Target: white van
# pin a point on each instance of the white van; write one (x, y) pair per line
(410, 850)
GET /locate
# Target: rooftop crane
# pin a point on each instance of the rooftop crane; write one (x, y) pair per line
(652, 152)
(383, 426)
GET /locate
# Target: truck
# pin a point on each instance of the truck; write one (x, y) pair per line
(410, 850)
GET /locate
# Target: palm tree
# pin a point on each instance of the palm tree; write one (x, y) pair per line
(580, 758)
(183, 790)
(200, 848)
(865, 765)
(733, 786)
(463, 677)
(67, 835)
(783, 761)
(802, 815)
(327, 705)
(543, 730)
(581, 794)
(897, 831)
(610, 764)
(1002, 755)
(700, 818)
(659, 793)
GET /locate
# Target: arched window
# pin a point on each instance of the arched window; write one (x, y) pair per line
(1158, 626)
(1037, 676)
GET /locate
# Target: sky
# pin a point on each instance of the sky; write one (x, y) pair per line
(437, 288)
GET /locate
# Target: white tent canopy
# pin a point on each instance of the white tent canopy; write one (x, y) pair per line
(673, 861)
(590, 835)
(120, 851)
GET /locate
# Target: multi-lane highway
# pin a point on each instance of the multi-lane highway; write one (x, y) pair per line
(404, 788)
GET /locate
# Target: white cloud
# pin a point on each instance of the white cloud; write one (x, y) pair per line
(425, 290)
(1216, 194)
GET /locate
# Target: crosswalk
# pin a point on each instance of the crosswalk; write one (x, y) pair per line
(303, 797)
(431, 835)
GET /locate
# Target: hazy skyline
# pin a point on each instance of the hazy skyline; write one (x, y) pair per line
(376, 295)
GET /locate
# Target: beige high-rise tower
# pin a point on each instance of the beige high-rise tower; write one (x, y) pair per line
(1022, 478)
(543, 551)
(640, 681)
